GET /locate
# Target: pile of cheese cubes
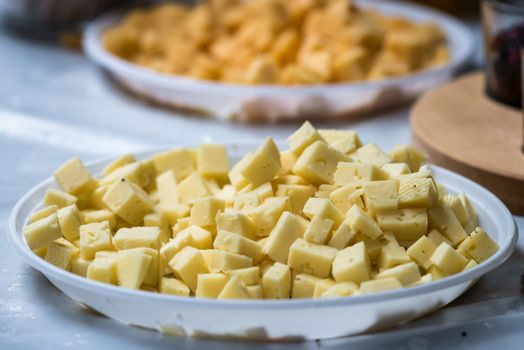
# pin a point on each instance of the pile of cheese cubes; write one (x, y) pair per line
(327, 218)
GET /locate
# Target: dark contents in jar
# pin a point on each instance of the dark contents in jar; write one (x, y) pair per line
(503, 66)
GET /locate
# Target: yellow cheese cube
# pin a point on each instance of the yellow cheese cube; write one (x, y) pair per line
(235, 176)
(304, 285)
(303, 137)
(192, 188)
(396, 169)
(436, 238)
(345, 141)
(103, 270)
(381, 195)
(444, 220)
(223, 261)
(287, 161)
(479, 245)
(373, 247)
(166, 185)
(325, 190)
(285, 232)
(200, 238)
(135, 237)
(70, 221)
(343, 289)
(343, 236)
(421, 251)
(107, 254)
(405, 224)
(346, 174)
(42, 232)
(297, 194)
(360, 221)
(314, 259)
(180, 160)
(60, 253)
(95, 198)
(118, 162)
(92, 216)
(323, 208)
(204, 211)
(172, 212)
(437, 273)
(235, 243)
(448, 259)
(318, 230)
(181, 224)
(209, 285)
(342, 197)
(234, 289)
(405, 273)
(427, 278)
(152, 274)
(266, 215)
(246, 201)
(417, 193)
(458, 208)
(472, 213)
(249, 275)
(406, 154)
(471, 264)
(79, 265)
(173, 286)
(318, 162)
(237, 222)
(158, 220)
(255, 292)
(187, 265)
(289, 180)
(93, 238)
(371, 154)
(73, 177)
(263, 165)
(131, 172)
(59, 198)
(264, 191)
(352, 264)
(276, 282)
(392, 255)
(212, 161)
(380, 285)
(132, 267)
(321, 286)
(42, 213)
(128, 201)
(371, 172)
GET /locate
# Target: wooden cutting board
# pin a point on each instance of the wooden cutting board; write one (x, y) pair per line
(462, 129)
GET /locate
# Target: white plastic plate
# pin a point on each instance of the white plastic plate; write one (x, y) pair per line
(277, 319)
(267, 102)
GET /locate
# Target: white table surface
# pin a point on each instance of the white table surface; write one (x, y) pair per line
(54, 104)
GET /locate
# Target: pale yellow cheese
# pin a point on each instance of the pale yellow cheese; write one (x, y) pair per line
(128, 201)
(249, 275)
(73, 177)
(381, 195)
(266, 215)
(360, 221)
(287, 161)
(380, 285)
(173, 286)
(235, 177)
(318, 230)
(180, 160)
(167, 189)
(212, 161)
(314, 259)
(59, 198)
(304, 285)
(303, 137)
(343, 198)
(263, 164)
(321, 286)
(172, 212)
(396, 169)
(406, 273)
(255, 292)
(132, 267)
(42, 213)
(95, 237)
(70, 220)
(371, 154)
(204, 211)
(343, 236)
(318, 162)
(118, 162)
(187, 265)
(406, 224)
(323, 208)
(417, 193)
(60, 253)
(79, 265)
(152, 274)
(223, 261)
(276, 282)
(342, 289)
(209, 285)
(42, 232)
(133, 172)
(135, 237)
(237, 222)
(346, 173)
(458, 207)
(444, 220)
(392, 255)
(436, 238)
(479, 246)
(235, 243)
(158, 220)
(246, 201)
(448, 259)
(192, 188)
(421, 251)
(285, 232)
(297, 194)
(352, 264)
(91, 216)
(234, 289)
(103, 270)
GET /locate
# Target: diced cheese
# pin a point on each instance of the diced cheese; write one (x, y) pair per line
(303, 137)
(131, 172)
(479, 246)
(297, 194)
(91, 216)
(79, 265)
(192, 188)
(314, 259)
(323, 208)
(381, 195)
(458, 208)
(342, 289)
(392, 255)
(321, 286)
(343, 236)
(448, 259)
(223, 261)
(266, 215)
(118, 162)
(237, 222)
(444, 220)
(360, 221)
(95, 237)
(60, 253)
(42, 232)
(173, 286)
(405, 224)
(249, 275)
(187, 265)
(406, 273)
(287, 161)
(103, 270)
(70, 221)
(417, 192)
(285, 232)
(73, 177)
(396, 169)
(380, 285)
(436, 238)
(234, 289)
(135, 237)
(263, 165)
(204, 211)
(352, 264)
(255, 292)
(237, 179)
(128, 201)
(276, 282)
(172, 212)
(132, 267)
(59, 198)
(421, 251)
(209, 285)
(318, 162)
(167, 189)
(304, 285)
(342, 198)
(180, 160)
(318, 230)
(371, 154)
(43, 213)
(235, 243)
(212, 161)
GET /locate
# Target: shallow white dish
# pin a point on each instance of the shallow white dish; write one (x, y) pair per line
(280, 319)
(226, 101)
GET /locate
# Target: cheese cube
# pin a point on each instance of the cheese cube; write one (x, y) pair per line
(42, 232)
(343, 236)
(136, 237)
(405, 273)
(421, 251)
(180, 160)
(471, 264)
(108, 254)
(406, 154)
(436, 238)
(73, 177)
(323, 208)
(152, 274)
(360, 221)
(458, 208)
(92, 216)
(173, 286)
(321, 286)
(132, 267)
(237, 222)
(325, 190)
(128, 201)
(264, 191)
(69, 220)
(158, 220)
(276, 282)
(303, 137)
(223, 261)
(287, 161)
(60, 253)
(167, 189)
(209, 285)
(59, 198)
(234, 289)
(352, 264)
(392, 255)
(297, 194)
(246, 201)
(479, 245)
(255, 292)
(42, 213)
(204, 211)
(371, 172)
(373, 247)
(181, 224)
(380, 195)
(285, 232)
(212, 161)
(380, 285)
(318, 163)
(343, 289)
(187, 265)
(263, 165)
(345, 141)
(405, 224)
(172, 212)
(472, 213)
(396, 169)
(118, 163)
(95, 198)
(235, 243)
(444, 220)
(318, 230)
(103, 270)
(266, 215)
(131, 172)
(93, 238)
(79, 265)
(200, 238)
(314, 259)
(304, 285)
(417, 193)
(192, 188)
(249, 275)
(346, 173)
(235, 177)
(371, 154)
(342, 197)
(448, 259)
(427, 278)
(437, 273)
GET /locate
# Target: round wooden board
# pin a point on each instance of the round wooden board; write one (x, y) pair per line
(461, 129)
